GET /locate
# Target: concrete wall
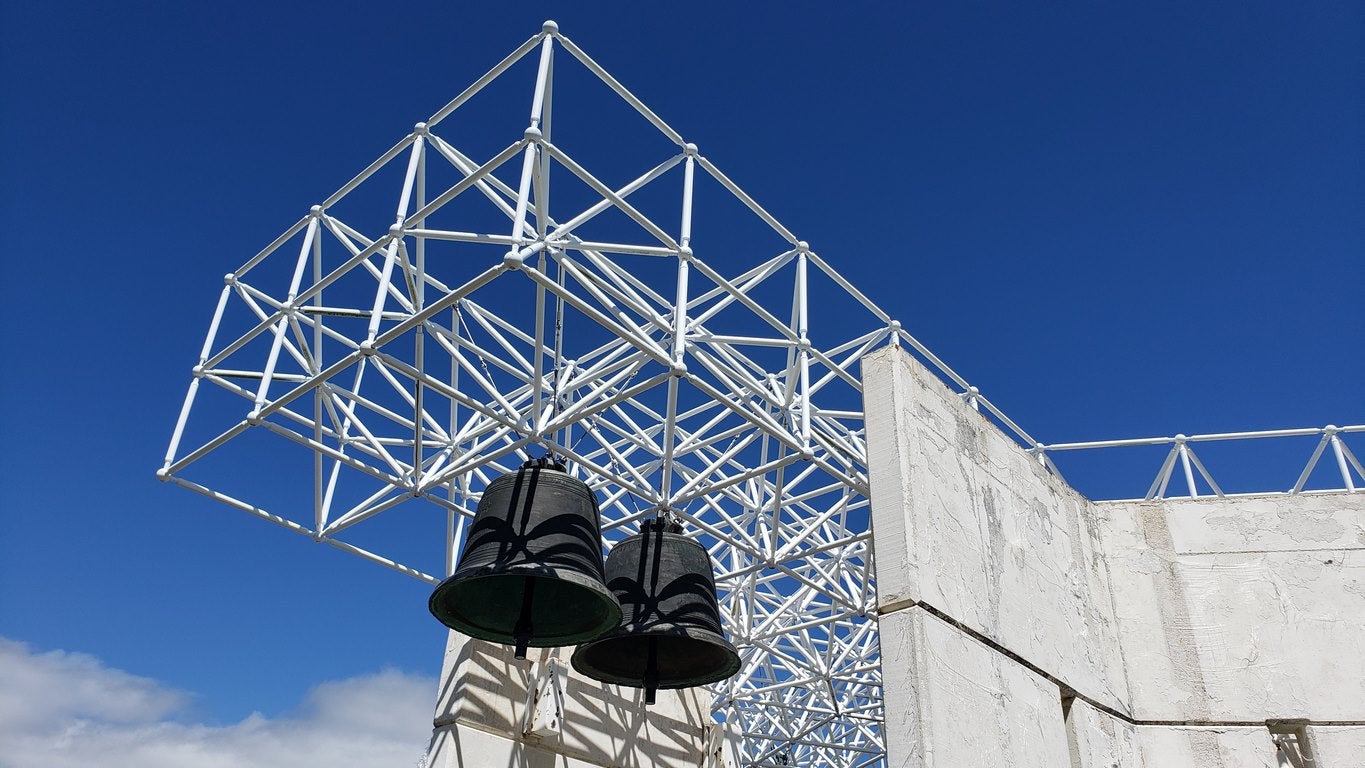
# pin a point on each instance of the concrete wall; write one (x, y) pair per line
(1179, 626)
(967, 523)
(481, 717)
(1243, 608)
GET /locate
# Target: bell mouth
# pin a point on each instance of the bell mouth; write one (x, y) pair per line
(566, 607)
(684, 657)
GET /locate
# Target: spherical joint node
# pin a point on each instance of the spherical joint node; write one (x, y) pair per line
(254, 418)
(549, 27)
(685, 253)
(163, 474)
(1331, 429)
(513, 260)
(803, 344)
(396, 230)
(973, 391)
(806, 454)
(895, 325)
(366, 348)
(533, 133)
(420, 129)
(690, 149)
(315, 211)
(802, 246)
(230, 279)
(1038, 447)
(1180, 439)
(678, 369)
(197, 371)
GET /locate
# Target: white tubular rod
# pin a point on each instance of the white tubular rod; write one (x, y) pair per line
(305, 251)
(609, 194)
(542, 80)
(680, 314)
(1208, 478)
(269, 249)
(473, 179)
(685, 231)
(1341, 465)
(461, 237)
(666, 478)
(1312, 462)
(213, 325)
(468, 93)
(1163, 476)
(243, 506)
(626, 248)
(450, 538)
(384, 561)
(1007, 421)
(848, 287)
(528, 161)
(801, 332)
(180, 422)
(382, 291)
(409, 180)
(369, 171)
(1351, 457)
(563, 230)
(538, 368)
(621, 91)
(627, 331)
(744, 198)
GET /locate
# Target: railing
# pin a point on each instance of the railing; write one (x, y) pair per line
(1182, 453)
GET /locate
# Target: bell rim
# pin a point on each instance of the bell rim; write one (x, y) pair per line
(523, 570)
(733, 662)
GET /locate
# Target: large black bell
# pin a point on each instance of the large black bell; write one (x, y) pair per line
(670, 634)
(531, 572)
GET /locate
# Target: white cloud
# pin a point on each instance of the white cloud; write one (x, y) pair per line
(68, 710)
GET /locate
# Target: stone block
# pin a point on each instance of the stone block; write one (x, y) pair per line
(952, 701)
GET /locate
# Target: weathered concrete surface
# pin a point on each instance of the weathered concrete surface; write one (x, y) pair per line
(1337, 745)
(481, 717)
(1099, 740)
(1241, 609)
(1206, 747)
(951, 701)
(1186, 621)
(967, 522)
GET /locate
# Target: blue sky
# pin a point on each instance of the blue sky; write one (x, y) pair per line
(1117, 221)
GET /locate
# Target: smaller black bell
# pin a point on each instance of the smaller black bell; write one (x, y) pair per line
(531, 571)
(670, 634)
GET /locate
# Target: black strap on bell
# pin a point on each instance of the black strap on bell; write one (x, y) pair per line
(531, 571)
(670, 634)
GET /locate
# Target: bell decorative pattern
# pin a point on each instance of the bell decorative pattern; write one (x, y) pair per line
(670, 634)
(531, 571)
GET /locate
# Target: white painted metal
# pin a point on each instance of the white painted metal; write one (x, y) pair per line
(447, 350)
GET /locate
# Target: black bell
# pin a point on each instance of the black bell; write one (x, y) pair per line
(670, 634)
(531, 570)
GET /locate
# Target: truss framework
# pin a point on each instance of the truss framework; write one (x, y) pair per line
(415, 354)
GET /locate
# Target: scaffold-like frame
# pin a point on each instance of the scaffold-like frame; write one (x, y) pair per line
(416, 357)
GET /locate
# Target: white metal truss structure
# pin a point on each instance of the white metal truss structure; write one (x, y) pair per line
(1182, 453)
(596, 287)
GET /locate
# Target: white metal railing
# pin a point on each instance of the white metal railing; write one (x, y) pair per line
(1182, 453)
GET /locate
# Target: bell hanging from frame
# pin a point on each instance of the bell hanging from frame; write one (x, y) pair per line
(670, 634)
(531, 570)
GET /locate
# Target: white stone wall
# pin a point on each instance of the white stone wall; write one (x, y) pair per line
(481, 717)
(1244, 608)
(952, 701)
(970, 525)
(1182, 625)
